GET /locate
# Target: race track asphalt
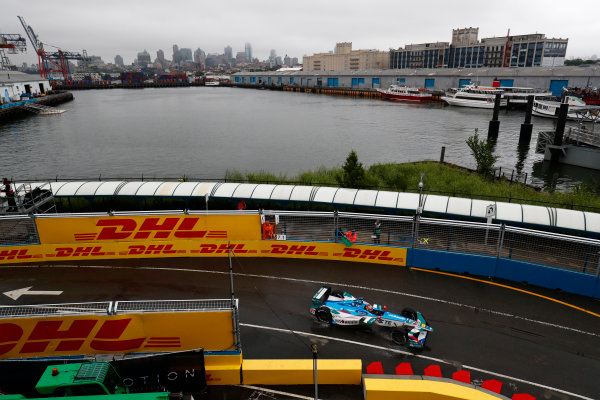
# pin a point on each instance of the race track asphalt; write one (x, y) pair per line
(534, 340)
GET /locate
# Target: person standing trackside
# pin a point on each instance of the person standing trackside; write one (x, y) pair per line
(377, 232)
(10, 195)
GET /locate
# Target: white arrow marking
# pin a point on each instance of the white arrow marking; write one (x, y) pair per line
(15, 294)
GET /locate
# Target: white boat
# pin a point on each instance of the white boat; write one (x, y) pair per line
(212, 82)
(405, 93)
(475, 96)
(517, 96)
(578, 109)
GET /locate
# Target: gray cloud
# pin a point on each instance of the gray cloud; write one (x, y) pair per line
(126, 27)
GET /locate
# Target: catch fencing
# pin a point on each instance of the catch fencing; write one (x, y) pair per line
(555, 250)
(572, 253)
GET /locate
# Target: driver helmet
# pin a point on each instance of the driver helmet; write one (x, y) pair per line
(369, 307)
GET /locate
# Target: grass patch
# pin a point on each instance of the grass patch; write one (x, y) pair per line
(443, 179)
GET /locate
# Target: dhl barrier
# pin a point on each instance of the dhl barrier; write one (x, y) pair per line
(153, 236)
(306, 250)
(23, 335)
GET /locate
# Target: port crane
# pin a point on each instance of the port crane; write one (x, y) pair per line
(51, 62)
(12, 44)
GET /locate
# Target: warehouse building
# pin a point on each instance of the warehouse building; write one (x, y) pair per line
(15, 84)
(466, 51)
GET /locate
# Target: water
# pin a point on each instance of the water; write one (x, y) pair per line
(202, 132)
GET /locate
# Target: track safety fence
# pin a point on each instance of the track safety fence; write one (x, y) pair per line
(573, 253)
(555, 250)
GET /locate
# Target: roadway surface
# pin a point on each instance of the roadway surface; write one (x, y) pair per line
(542, 342)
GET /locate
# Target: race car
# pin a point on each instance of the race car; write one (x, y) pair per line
(337, 307)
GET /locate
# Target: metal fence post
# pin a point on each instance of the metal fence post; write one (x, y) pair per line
(336, 225)
(500, 241)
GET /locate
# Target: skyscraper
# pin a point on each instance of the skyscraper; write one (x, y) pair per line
(119, 61)
(228, 53)
(248, 52)
(176, 56)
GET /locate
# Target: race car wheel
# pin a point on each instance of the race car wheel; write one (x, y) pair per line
(399, 336)
(323, 314)
(409, 313)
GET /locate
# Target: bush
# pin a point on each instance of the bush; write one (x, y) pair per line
(482, 151)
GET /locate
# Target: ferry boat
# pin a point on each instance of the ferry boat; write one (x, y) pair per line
(578, 109)
(517, 96)
(405, 93)
(591, 96)
(475, 96)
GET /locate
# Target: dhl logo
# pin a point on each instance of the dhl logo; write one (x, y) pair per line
(222, 249)
(21, 254)
(293, 249)
(150, 228)
(368, 254)
(71, 339)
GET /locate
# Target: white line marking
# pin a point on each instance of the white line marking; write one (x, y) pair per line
(438, 360)
(276, 392)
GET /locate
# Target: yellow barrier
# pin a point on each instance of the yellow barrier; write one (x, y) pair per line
(223, 369)
(300, 372)
(412, 389)
(149, 228)
(126, 333)
(192, 248)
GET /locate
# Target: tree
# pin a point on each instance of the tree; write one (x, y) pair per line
(353, 173)
(482, 151)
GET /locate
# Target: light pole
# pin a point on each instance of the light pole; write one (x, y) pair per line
(314, 352)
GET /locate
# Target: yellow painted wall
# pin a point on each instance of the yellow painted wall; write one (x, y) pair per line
(410, 389)
(300, 372)
(126, 333)
(149, 228)
(193, 248)
(223, 369)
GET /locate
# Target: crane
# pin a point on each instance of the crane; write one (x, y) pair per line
(10, 43)
(57, 61)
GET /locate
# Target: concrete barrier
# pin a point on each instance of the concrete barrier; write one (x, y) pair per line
(300, 372)
(223, 369)
(392, 387)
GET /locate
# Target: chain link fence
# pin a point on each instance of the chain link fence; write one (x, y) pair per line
(44, 310)
(172, 306)
(545, 248)
(549, 249)
(18, 230)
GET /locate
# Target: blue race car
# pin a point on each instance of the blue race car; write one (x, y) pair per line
(337, 307)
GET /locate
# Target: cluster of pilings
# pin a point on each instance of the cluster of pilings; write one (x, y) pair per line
(527, 126)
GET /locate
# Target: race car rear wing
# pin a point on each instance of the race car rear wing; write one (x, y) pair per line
(321, 295)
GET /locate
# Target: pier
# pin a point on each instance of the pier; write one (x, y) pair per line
(18, 109)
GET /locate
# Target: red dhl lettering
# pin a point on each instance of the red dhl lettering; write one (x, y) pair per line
(222, 248)
(151, 249)
(12, 254)
(78, 251)
(69, 338)
(150, 228)
(368, 254)
(294, 249)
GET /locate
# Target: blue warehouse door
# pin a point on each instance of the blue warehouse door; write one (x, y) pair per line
(556, 87)
(429, 83)
(375, 83)
(463, 82)
(507, 82)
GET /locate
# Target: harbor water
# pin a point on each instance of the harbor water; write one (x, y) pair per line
(202, 132)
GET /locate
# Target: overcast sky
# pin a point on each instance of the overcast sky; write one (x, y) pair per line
(293, 27)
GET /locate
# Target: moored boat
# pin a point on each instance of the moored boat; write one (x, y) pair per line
(405, 93)
(475, 96)
(517, 96)
(578, 110)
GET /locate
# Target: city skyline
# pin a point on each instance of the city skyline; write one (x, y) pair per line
(126, 29)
